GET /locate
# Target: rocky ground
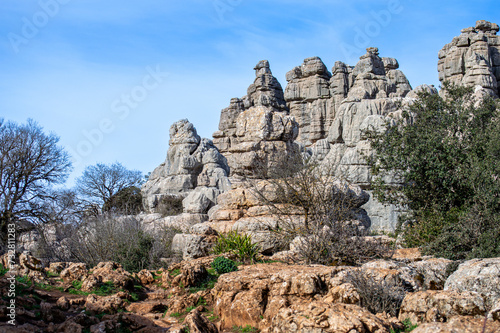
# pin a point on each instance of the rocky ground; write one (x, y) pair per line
(439, 296)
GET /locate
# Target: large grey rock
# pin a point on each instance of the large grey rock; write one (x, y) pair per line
(191, 246)
(155, 223)
(477, 275)
(256, 129)
(309, 99)
(473, 58)
(191, 162)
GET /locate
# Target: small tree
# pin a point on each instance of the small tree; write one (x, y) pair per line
(100, 182)
(30, 162)
(445, 151)
(126, 201)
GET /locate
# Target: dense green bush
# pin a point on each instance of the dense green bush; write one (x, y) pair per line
(446, 152)
(223, 265)
(239, 244)
(126, 201)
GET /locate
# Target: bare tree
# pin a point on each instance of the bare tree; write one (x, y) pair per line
(30, 162)
(100, 182)
(316, 212)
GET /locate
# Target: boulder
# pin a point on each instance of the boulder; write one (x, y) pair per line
(75, 271)
(198, 323)
(192, 246)
(459, 324)
(477, 275)
(440, 306)
(327, 317)
(191, 162)
(108, 272)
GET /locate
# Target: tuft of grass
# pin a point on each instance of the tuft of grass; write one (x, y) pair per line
(408, 327)
(77, 284)
(52, 274)
(239, 244)
(246, 329)
(175, 272)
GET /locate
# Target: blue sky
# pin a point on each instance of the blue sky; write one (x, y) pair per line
(110, 77)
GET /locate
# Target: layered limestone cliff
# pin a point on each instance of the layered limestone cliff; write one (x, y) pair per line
(473, 58)
(254, 129)
(194, 169)
(321, 113)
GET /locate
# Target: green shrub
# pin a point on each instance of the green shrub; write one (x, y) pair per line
(448, 175)
(408, 327)
(126, 201)
(3, 270)
(223, 265)
(239, 244)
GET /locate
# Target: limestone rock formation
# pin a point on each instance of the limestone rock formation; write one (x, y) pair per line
(364, 96)
(473, 58)
(245, 211)
(191, 163)
(439, 306)
(477, 275)
(309, 99)
(253, 130)
(459, 324)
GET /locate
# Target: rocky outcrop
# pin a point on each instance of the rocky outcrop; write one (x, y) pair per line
(477, 275)
(439, 306)
(364, 97)
(259, 211)
(256, 129)
(459, 324)
(327, 318)
(473, 58)
(192, 164)
(309, 100)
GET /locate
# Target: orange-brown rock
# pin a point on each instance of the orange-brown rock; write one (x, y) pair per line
(104, 304)
(326, 317)
(440, 306)
(199, 324)
(155, 306)
(75, 271)
(108, 272)
(254, 294)
(460, 325)
(126, 322)
(145, 277)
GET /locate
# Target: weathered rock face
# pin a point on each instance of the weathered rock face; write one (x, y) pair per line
(473, 58)
(192, 164)
(364, 96)
(439, 306)
(255, 129)
(309, 99)
(459, 324)
(243, 210)
(478, 275)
